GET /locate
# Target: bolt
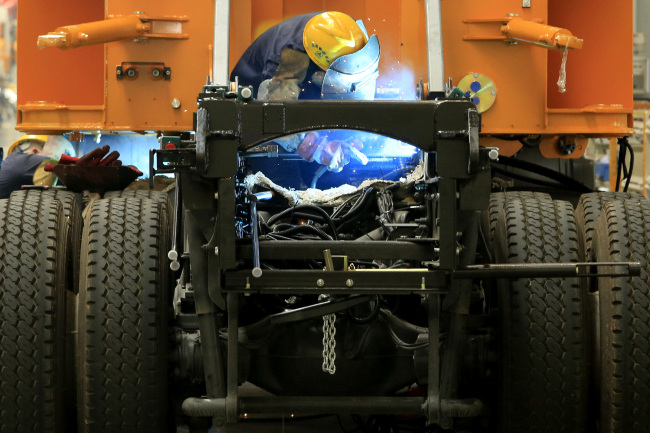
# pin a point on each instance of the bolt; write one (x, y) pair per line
(176, 103)
(130, 73)
(493, 154)
(139, 40)
(459, 234)
(475, 75)
(320, 282)
(168, 72)
(494, 92)
(156, 73)
(513, 15)
(119, 72)
(216, 251)
(246, 93)
(216, 196)
(458, 250)
(349, 282)
(138, 12)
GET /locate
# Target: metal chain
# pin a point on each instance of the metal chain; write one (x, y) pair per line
(329, 343)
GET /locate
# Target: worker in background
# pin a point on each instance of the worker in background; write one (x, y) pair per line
(26, 159)
(318, 55)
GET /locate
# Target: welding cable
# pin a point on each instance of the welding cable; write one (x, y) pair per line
(527, 178)
(357, 207)
(302, 208)
(621, 169)
(630, 169)
(340, 207)
(306, 227)
(564, 180)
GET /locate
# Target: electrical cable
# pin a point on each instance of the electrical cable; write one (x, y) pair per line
(563, 179)
(631, 167)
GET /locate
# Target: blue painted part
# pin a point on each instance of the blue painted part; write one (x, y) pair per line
(475, 86)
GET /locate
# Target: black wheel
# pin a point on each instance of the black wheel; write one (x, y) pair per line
(497, 200)
(122, 344)
(33, 235)
(543, 349)
(623, 235)
(71, 204)
(72, 208)
(587, 213)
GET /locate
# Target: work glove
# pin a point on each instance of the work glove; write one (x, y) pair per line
(99, 157)
(335, 154)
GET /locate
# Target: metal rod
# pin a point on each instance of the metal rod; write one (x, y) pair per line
(233, 358)
(177, 232)
(255, 237)
(548, 270)
(206, 312)
(342, 405)
(433, 371)
(435, 59)
(221, 45)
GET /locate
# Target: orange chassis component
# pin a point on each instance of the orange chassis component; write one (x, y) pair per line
(79, 90)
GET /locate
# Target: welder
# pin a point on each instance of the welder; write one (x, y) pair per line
(320, 55)
(26, 160)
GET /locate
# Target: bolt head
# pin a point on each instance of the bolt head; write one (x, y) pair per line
(493, 154)
(216, 251)
(349, 282)
(156, 73)
(176, 103)
(320, 282)
(246, 93)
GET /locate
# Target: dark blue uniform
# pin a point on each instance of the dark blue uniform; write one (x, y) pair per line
(260, 61)
(18, 169)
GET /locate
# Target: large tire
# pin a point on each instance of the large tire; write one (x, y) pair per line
(587, 213)
(543, 359)
(122, 345)
(490, 216)
(623, 235)
(33, 253)
(72, 207)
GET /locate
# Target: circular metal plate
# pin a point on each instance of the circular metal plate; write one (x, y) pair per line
(480, 89)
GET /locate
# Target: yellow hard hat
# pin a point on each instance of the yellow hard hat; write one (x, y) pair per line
(38, 138)
(330, 35)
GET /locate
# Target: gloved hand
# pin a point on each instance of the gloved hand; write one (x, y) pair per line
(334, 154)
(97, 157)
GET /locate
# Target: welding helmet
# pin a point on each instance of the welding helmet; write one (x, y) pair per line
(353, 76)
(330, 35)
(25, 142)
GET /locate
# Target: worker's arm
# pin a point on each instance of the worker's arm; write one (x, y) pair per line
(287, 80)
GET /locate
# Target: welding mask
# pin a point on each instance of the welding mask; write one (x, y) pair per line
(354, 76)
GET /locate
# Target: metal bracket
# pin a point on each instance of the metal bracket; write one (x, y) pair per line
(131, 70)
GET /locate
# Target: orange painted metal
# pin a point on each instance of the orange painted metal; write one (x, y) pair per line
(518, 29)
(80, 89)
(97, 32)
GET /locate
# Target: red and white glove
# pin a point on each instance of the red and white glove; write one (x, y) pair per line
(96, 158)
(334, 154)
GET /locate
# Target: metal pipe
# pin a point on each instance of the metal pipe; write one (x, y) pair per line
(548, 270)
(221, 45)
(522, 30)
(435, 59)
(177, 232)
(255, 236)
(96, 32)
(205, 308)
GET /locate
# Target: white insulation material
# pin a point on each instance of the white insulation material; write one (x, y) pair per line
(327, 197)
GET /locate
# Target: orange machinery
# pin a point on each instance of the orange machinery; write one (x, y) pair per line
(121, 85)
